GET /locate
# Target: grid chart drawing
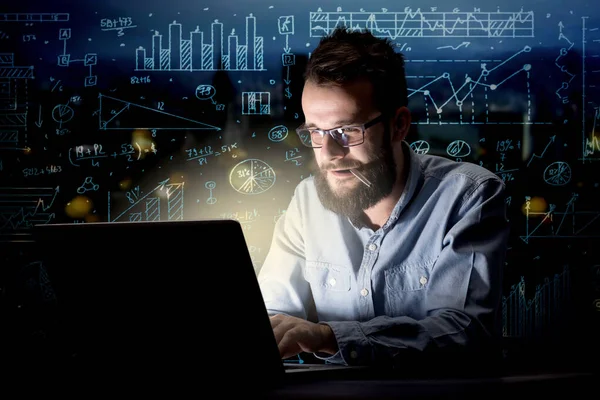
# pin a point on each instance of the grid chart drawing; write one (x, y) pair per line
(414, 24)
(256, 103)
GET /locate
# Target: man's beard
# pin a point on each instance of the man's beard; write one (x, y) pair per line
(381, 172)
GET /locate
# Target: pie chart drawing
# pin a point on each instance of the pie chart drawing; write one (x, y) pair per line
(557, 174)
(458, 148)
(252, 176)
(420, 147)
(62, 113)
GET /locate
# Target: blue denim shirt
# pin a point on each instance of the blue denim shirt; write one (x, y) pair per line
(431, 276)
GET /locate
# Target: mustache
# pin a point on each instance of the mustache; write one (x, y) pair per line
(329, 167)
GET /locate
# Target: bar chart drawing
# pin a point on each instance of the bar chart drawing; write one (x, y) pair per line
(533, 317)
(164, 202)
(193, 53)
(13, 103)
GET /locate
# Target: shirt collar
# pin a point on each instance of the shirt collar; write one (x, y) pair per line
(410, 187)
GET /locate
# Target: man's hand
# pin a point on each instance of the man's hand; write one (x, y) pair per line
(296, 335)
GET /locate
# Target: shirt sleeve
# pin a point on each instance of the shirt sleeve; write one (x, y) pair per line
(464, 293)
(283, 287)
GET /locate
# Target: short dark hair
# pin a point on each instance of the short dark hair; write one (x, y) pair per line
(346, 55)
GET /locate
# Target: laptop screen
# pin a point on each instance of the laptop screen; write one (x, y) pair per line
(167, 299)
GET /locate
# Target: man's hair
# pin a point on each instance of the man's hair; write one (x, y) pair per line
(347, 55)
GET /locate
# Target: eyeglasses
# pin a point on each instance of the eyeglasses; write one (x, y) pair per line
(345, 136)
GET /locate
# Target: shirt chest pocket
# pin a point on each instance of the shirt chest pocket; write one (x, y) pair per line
(408, 277)
(406, 288)
(327, 277)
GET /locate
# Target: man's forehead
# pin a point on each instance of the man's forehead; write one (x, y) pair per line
(329, 106)
(346, 120)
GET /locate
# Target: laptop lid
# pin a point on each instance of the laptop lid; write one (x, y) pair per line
(174, 301)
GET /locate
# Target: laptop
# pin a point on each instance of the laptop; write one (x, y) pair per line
(174, 303)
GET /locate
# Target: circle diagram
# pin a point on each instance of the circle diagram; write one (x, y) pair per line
(278, 133)
(252, 176)
(210, 185)
(62, 113)
(205, 92)
(420, 147)
(458, 148)
(557, 174)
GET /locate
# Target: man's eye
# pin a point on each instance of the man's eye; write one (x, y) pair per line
(349, 130)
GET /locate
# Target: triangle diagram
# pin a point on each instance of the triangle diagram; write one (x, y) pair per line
(120, 114)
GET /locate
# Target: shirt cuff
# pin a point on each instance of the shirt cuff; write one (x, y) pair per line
(331, 359)
(354, 347)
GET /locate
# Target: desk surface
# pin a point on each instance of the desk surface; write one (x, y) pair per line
(333, 384)
(502, 387)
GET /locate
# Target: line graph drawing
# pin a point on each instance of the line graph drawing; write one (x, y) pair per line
(590, 80)
(117, 114)
(570, 223)
(592, 144)
(522, 317)
(23, 207)
(471, 94)
(149, 207)
(565, 84)
(535, 156)
(463, 44)
(412, 24)
(194, 54)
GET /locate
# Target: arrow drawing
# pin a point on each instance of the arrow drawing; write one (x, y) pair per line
(552, 138)
(39, 122)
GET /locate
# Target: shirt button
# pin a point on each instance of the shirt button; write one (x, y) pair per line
(364, 292)
(372, 247)
(423, 280)
(332, 281)
(353, 354)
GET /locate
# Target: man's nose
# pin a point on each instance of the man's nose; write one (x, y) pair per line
(331, 149)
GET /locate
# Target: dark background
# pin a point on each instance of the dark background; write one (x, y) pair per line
(92, 130)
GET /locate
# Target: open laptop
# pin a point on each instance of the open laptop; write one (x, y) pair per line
(175, 303)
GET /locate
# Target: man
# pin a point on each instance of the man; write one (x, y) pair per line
(405, 258)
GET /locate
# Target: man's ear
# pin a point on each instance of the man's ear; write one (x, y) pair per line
(401, 124)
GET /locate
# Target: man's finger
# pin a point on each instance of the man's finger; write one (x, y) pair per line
(276, 320)
(281, 327)
(288, 346)
(279, 331)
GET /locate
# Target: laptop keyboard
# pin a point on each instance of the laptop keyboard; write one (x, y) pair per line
(294, 367)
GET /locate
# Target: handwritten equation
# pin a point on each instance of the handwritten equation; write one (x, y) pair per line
(95, 153)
